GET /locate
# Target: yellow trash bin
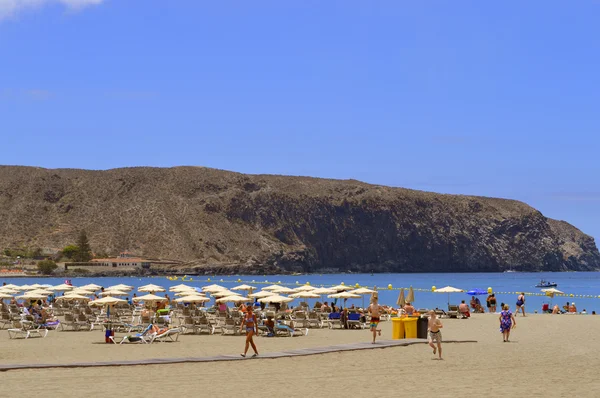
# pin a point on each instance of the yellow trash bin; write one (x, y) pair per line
(397, 329)
(410, 327)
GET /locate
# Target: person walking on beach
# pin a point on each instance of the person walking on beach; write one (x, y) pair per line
(434, 334)
(375, 311)
(520, 304)
(507, 322)
(251, 329)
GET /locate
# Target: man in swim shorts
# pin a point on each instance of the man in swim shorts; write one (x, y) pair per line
(434, 333)
(375, 311)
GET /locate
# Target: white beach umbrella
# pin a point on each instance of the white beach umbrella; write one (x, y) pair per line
(448, 289)
(324, 290)
(271, 287)
(91, 286)
(178, 286)
(113, 293)
(305, 288)
(183, 289)
(261, 294)
(61, 288)
(232, 299)
(190, 293)
(41, 291)
(39, 286)
(341, 288)
(192, 299)
(243, 287)
(119, 287)
(213, 288)
(363, 291)
(223, 293)
(284, 290)
(27, 287)
(344, 295)
(11, 286)
(83, 292)
(106, 301)
(149, 298)
(151, 288)
(32, 296)
(9, 291)
(305, 294)
(4, 295)
(72, 297)
(275, 299)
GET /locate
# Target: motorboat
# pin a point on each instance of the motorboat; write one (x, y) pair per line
(544, 284)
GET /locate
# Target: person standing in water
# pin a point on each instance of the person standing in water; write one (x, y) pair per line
(375, 311)
(507, 322)
(520, 304)
(434, 334)
(251, 325)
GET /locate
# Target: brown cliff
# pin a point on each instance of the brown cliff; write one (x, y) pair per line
(222, 221)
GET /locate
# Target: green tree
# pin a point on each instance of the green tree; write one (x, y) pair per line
(47, 267)
(84, 252)
(70, 251)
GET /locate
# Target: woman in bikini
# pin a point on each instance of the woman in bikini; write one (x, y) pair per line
(249, 322)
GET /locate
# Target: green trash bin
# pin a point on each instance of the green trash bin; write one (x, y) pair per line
(397, 329)
(410, 327)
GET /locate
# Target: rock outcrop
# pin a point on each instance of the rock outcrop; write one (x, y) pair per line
(220, 221)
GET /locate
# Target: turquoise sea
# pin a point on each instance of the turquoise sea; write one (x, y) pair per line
(584, 286)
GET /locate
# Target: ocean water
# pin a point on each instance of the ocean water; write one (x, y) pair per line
(584, 286)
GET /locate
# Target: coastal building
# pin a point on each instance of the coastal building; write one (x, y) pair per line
(125, 259)
(124, 262)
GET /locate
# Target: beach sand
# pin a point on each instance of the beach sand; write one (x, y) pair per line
(547, 356)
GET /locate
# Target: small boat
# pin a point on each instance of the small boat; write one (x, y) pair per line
(544, 284)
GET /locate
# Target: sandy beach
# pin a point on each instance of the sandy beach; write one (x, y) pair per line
(548, 356)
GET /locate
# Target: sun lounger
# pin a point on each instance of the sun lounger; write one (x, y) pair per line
(285, 330)
(171, 334)
(143, 337)
(25, 329)
(314, 320)
(354, 319)
(334, 320)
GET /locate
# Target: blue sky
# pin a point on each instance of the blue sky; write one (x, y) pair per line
(483, 98)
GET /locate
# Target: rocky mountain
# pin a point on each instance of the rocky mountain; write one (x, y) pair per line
(219, 221)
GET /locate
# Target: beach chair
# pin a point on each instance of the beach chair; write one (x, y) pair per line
(83, 323)
(69, 322)
(5, 320)
(22, 328)
(314, 320)
(230, 327)
(334, 320)
(204, 325)
(354, 320)
(170, 334)
(141, 338)
(285, 330)
(300, 319)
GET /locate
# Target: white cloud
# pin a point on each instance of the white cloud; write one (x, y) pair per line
(12, 7)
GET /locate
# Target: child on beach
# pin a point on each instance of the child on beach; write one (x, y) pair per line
(375, 310)
(434, 333)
